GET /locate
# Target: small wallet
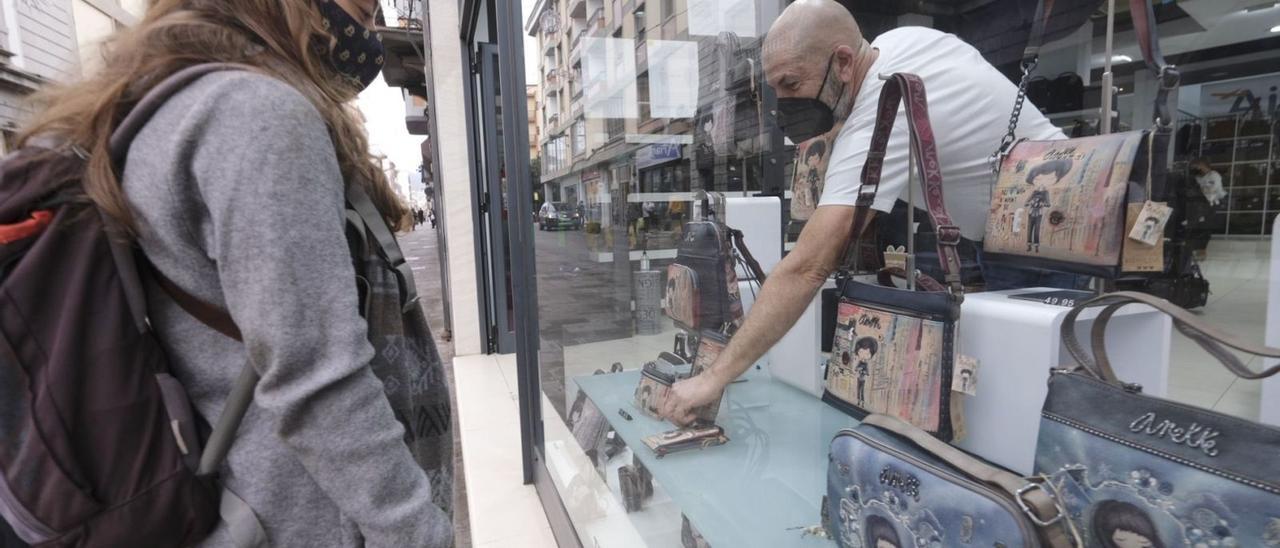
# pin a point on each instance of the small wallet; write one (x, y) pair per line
(685, 439)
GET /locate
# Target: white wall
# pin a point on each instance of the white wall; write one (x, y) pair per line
(455, 183)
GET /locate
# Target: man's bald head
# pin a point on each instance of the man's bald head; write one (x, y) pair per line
(809, 27)
(801, 41)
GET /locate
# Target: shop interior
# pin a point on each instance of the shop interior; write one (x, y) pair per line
(646, 151)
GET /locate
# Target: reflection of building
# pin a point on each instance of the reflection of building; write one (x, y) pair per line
(532, 92)
(628, 88)
(42, 42)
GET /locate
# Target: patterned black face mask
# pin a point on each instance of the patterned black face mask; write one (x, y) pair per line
(358, 53)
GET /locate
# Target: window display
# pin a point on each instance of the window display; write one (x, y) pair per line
(669, 416)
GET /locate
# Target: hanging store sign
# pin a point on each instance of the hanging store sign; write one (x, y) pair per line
(655, 154)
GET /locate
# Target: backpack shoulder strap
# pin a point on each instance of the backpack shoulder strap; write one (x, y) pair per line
(216, 318)
(141, 113)
(388, 248)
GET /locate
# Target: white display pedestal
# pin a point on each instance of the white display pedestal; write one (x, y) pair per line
(1016, 342)
(760, 220)
(1270, 400)
(797, 359)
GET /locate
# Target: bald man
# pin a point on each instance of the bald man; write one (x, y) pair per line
(824, 71)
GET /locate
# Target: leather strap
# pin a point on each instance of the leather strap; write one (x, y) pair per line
(927, 164)
(1033, 497)
(752, 264)
(1207, 336)
(1031, 53)
(1144, 25)
(924, 282)
(215, 318)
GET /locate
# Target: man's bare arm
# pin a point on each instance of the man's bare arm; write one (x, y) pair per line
(785, 295)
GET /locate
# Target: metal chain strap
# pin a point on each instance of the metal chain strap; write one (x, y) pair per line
(1006, 143)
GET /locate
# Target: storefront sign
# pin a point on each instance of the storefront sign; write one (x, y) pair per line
(1257, 96)
(655, 154)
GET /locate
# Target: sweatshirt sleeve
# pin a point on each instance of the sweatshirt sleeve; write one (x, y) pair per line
(268, 174)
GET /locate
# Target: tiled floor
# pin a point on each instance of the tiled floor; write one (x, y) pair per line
(1238, 275)
(505, 513)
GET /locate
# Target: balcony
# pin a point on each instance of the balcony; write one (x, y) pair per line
(551, 78)
(596, 24)
(553, 121)
(575, 50)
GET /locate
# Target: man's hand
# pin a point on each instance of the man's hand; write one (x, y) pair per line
(687, 395)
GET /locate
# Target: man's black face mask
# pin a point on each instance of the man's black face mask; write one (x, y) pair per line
(801, 119)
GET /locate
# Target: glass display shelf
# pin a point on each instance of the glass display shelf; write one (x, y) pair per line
(765, 486)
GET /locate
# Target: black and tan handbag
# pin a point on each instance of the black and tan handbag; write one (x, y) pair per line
(893, 349)
(1066, 205)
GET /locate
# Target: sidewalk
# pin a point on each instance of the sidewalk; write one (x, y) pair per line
(420, 250)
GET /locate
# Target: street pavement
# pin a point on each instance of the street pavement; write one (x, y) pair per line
(420, 249)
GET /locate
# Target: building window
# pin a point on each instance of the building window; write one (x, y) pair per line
(579, 137)
(668, 8)
(640, 23)
(642, 96)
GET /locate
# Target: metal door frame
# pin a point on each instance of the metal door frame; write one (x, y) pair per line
(496, 239)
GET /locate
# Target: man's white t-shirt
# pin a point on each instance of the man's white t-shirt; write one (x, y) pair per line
(969, 107)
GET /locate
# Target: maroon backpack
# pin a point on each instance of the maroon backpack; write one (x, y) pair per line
(100, 443)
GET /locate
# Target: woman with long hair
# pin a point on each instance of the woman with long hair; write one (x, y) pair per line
(235, 192)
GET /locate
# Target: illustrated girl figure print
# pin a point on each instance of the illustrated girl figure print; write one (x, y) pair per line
(1040, 177)
(864, 350)
(813, 156)
(880, 533)
(1119, 524)
(1148, 227)
(807, 177)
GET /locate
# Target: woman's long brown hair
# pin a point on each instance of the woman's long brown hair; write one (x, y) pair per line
(280, 38)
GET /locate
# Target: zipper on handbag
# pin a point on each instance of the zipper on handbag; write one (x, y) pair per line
(1028, 532)
(896, 310)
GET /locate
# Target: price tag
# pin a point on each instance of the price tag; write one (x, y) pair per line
(895, 257)
(1136, 255)
(1060, 301)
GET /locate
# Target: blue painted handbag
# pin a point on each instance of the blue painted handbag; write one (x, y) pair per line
(1136, 470)
(891, 483)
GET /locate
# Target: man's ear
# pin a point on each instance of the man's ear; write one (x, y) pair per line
(845, 57)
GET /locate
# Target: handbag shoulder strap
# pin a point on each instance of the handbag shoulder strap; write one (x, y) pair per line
(1034, 498)
(1144, 24)
(739, 242)
(1207, 336)
(927, 165)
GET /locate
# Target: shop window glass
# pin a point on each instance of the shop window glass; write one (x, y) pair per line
(658, 120)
